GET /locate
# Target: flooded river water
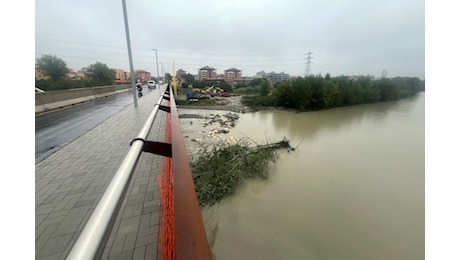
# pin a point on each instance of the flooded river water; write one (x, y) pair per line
(354, 188)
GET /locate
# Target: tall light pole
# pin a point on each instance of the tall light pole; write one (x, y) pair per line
(156, 54)
(131, 67)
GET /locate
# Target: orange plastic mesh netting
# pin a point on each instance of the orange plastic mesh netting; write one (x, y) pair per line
(166, 248)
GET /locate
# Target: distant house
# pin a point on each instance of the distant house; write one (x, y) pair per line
(40, 75)
(71, 74)
(79, 75)
(121, 75)
(244, 81)
(143, 75)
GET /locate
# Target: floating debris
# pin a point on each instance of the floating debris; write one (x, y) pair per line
(191, 116)
(228, 119)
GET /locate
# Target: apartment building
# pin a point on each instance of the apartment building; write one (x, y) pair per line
(232, 74)
(277, 77)
(39, 75)
(207, 73)
(121, 75)
(273, 76)
(143, 75)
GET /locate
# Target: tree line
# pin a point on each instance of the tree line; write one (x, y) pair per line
(98, 74)
(317, 92)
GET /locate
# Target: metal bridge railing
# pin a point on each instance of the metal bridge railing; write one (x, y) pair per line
(189, 236)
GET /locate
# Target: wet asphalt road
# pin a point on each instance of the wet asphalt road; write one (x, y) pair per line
(56, 129)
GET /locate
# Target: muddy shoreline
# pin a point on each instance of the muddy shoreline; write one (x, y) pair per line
(232, 104)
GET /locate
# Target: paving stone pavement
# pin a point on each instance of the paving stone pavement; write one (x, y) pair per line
(70, 183)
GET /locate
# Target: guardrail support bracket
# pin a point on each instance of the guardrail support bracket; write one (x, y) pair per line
(163, 149)
(165, 108)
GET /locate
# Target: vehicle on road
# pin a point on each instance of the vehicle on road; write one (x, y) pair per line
(139, 88)
(151, 84)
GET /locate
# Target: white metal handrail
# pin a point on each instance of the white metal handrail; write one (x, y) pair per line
(92, 240)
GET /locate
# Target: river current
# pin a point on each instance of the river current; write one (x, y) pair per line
(354, 188)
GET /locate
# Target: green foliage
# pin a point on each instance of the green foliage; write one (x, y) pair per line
(316, 92)
(256, 82)
(241, 85)
(189, 78)
(52, 66)
(199, 84)
(264, 88)
(258, 101)
(222, 167)
(284, 96)
(168, 77)
(226, 87)
(61, 84)
(184, 85)
(100, 74)
(245, 90)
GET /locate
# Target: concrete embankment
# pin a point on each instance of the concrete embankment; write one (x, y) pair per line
(50, 100)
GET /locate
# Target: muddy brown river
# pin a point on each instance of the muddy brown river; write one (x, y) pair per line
(352, 189)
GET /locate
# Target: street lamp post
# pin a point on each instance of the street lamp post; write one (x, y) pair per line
(156, 55)
(133, 83)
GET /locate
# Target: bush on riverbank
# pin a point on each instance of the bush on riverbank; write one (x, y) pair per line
(246, 90)
(258, 101)
(317, 93)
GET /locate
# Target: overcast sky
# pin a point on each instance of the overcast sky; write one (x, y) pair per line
(345, 37)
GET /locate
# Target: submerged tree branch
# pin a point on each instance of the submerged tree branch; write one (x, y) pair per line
(216, 175)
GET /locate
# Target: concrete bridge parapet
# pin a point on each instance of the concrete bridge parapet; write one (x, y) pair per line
(50, 100)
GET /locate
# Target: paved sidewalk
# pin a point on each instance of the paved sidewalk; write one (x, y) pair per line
(70, 183)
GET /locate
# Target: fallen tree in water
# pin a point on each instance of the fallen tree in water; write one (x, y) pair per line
(222, 167)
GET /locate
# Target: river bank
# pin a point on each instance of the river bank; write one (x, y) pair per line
(201, 127)
(205, 124)
(232, 103)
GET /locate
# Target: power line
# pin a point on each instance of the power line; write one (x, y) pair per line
(112, 53)
(188, 52)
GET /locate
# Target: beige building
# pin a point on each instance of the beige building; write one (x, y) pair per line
(79, 75)
(39, 75)
(232, 74)
(207, 73)
(121, 75)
